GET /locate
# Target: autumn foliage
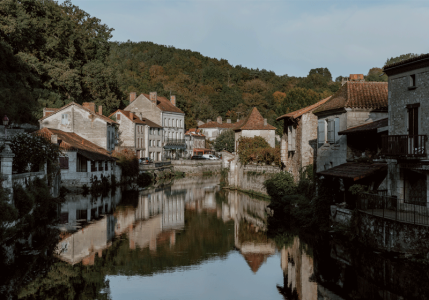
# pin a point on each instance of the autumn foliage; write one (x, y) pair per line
(257, 150)
(128, 161)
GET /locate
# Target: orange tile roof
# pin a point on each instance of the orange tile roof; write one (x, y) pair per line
(194, 132)
(135, 119)
(215, 124)
(370, 95)
(254, 121)
(108, 120)
(165, 105)
(300, 112)
(70, 141)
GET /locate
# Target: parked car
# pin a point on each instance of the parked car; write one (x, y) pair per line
(210, 156)
(199, 157)
(145, 160)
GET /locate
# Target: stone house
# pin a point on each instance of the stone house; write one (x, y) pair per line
(405, 147)
(355, 103)
(140, 135)
(82, 159)
(299, 139)
(194, 140)
(254, 125)
(84, 121)
(164, 112)
(212, 129)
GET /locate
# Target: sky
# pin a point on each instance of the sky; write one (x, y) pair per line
(285, 36)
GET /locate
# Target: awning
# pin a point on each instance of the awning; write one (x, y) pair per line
(365, 128)
(354, 170)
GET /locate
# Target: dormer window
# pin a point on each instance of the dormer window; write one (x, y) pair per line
(412, 83)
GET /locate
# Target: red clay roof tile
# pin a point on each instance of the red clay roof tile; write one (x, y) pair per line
(300, 112)
(165, 105)
(254, 121)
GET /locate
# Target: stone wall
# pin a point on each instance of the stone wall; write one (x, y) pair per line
(196, 167)
(143, 107)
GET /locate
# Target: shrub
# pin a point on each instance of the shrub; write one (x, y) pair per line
(23, 200)
(128, 162)
(144, 179)
(257, 150)
(279, 185)
(8, 212)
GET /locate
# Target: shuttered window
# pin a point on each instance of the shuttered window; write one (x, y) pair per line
(64, 163)
(321, 132)
(65, 119)
(337, 129)
(291, 135)
(331, 131)
(118, 116)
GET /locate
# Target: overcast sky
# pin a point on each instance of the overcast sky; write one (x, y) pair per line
(287, 37)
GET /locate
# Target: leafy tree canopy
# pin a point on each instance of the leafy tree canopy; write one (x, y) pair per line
(225, 141)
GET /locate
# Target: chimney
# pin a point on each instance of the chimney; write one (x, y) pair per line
(54, 139)
(132, 96)
(100, 110)
(209, 120)
(265, 122)
(228, 121)
(152, 97)
(219, 120)
(357, 77)
(173, 99)
(89, 105)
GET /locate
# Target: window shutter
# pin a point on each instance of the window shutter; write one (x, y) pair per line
(321, 131)
(294, 138)
(337, 129)
(291, 136)
(331, 133)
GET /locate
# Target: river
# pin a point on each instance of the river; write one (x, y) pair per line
(192, 240)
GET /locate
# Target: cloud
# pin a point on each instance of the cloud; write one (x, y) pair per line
(288, 37)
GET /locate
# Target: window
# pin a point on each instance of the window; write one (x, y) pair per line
(413, 80)
(181, 125)
(413, 119)
(321, 138)
(291, 138)
(177, 123)
(65, 119)
(106, 165)
(64, 163)
(159, 143)
(333, 129)
(118, 116)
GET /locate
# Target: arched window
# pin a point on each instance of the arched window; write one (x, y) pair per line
(176, 124)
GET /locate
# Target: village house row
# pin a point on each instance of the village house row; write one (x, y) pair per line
(369, 133)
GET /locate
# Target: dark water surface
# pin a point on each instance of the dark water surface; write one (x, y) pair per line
(191, 240)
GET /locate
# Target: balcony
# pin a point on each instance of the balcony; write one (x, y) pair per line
(175, 144)
(407, 146)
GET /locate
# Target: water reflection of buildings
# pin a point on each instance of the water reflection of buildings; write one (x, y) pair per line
(250, 224)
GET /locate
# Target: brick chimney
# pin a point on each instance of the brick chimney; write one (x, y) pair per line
(54, 139)
(265, 122)
(209, 120)
(100, 110)
(173, 99)
(152, 97)
(228, 121)
(357, 77)
(132, 96)
(89, 105)
(219, 120)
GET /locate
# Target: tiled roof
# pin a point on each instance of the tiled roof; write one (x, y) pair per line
(407, 61)
(108, 120)
(370, 95)
(254, 121)
(373, 126)
(215, 124)
(354, 170)
(134, 118)
(255, 260)
(194, 132)
(165, 105)
(70, 141)
(300, 112)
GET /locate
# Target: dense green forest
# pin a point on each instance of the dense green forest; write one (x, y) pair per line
(52, 54)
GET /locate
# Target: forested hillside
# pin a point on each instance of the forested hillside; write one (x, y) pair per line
(52, 54)
(207, 87)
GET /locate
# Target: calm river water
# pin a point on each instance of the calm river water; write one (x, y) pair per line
(191, 240)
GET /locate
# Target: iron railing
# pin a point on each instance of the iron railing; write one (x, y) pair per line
(175, 141)
(395, 209)
(404, 145)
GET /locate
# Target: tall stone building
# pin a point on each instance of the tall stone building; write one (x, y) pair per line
(405, 147)
(299, 139)
(163, 112)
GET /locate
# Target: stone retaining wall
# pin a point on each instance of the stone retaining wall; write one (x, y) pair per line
(197, 167)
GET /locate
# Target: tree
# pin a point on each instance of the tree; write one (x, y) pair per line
(400, 58)
(225, 141)
(374, 75)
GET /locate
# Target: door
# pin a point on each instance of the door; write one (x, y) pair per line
(413, 127)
